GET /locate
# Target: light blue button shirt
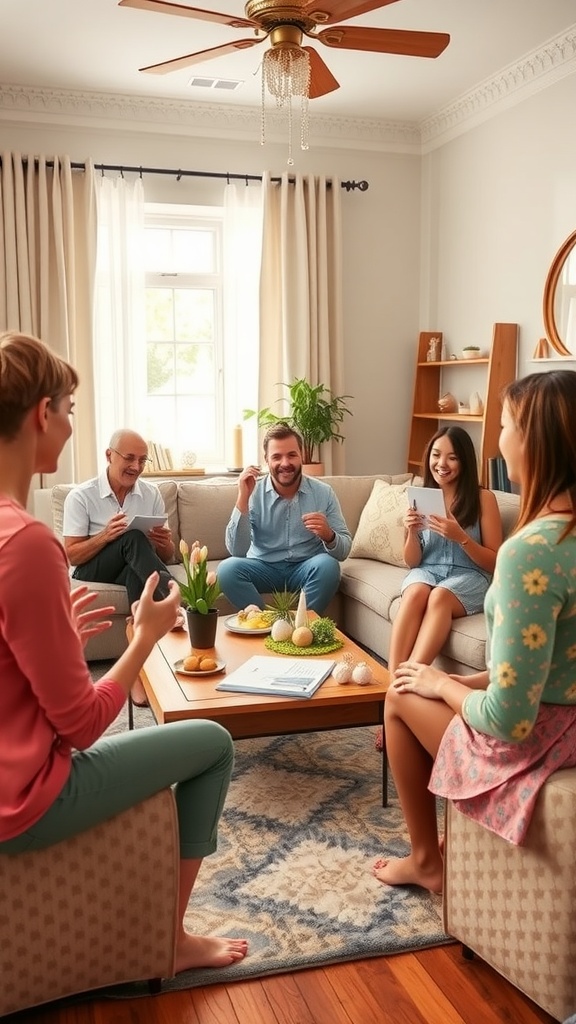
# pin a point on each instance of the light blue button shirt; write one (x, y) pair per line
(273, 529)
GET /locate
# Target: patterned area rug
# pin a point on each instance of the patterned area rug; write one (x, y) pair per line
(302, 826)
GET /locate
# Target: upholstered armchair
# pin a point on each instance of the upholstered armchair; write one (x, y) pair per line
(515, 906)
(91, 911)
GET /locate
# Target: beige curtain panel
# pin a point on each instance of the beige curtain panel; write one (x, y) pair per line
(47, 266)
(301, 290)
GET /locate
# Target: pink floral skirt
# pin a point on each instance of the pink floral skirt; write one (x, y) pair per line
(496, 783)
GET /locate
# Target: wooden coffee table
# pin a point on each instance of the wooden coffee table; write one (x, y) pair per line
(173, 697)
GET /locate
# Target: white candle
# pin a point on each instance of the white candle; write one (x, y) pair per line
(237, 459)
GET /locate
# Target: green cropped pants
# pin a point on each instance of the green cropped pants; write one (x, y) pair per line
(119, 771)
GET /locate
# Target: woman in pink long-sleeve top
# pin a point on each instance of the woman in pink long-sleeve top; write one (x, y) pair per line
(58, 776)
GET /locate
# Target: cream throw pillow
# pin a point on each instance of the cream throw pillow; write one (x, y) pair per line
(380, 533)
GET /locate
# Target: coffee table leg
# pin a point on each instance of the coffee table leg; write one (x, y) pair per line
(130, 713)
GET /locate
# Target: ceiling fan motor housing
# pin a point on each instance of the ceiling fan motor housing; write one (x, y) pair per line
(270, 14)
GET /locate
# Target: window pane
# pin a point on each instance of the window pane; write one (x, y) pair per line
(160, 369)
(193, 251)
(194, 314)
(195, 370)
(159, 314)
(158, 254)
(195, 422)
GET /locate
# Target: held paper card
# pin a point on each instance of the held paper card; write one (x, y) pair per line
(146, 523)
(429, 501)
(282, 677)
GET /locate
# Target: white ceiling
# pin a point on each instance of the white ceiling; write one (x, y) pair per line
(96, 46)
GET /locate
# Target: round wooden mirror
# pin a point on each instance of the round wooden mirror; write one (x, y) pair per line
(560, 297)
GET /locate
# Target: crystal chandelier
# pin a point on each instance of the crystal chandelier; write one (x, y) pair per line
(286, 73)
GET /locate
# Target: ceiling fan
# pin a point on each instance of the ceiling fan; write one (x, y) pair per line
(285, 22)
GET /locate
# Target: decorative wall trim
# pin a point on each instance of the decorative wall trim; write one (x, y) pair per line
(536, 71)
(24, 105)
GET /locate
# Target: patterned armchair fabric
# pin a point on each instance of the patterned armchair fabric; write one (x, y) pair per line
(95, 910)
(515, 906)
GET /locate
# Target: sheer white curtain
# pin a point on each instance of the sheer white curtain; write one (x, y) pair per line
(242, 254)
(301, 289)
(119, 309)
(47, 259)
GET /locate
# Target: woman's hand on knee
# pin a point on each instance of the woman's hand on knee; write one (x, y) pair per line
(414, 677)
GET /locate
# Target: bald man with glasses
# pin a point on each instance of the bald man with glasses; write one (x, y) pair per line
(98, 542)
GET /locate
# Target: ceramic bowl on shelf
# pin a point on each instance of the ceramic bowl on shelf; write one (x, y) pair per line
(471, 353)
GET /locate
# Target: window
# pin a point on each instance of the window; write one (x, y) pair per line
(185, 399)
(176, 325)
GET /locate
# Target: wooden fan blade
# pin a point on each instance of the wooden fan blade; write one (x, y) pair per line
(322, 80)
(200, 56)
(331, 11)
(167, 7)
(385, 40)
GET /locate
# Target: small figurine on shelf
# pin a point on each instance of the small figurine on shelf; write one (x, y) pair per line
(434, 349)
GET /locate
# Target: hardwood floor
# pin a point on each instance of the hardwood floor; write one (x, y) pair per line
(435, 986)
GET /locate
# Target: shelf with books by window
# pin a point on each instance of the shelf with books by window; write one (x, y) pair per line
(498, 368)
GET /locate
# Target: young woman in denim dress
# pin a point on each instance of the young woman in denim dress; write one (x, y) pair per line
(451, 557)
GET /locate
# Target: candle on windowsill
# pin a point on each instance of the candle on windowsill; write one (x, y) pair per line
(237, 457)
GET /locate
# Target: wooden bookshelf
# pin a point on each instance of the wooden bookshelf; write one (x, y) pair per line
(500, 367)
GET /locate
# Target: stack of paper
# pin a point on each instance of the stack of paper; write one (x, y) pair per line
(283, 677)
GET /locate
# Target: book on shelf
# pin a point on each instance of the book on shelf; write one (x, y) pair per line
(498, 478)
(297, 677)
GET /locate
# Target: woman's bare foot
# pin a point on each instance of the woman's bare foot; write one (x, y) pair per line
(208, 951)
(405, 871)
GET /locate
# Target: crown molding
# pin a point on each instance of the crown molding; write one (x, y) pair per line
(25, 105)
(554, 60)
(535, 72)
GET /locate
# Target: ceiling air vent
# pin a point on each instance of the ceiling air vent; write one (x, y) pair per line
(225, 84)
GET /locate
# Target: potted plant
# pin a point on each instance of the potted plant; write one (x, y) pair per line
(315, 413)
(471, 352)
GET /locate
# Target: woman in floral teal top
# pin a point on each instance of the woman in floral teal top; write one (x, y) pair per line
(489, 741)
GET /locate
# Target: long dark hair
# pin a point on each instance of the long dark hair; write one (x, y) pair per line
(466, 507)
(543, 407)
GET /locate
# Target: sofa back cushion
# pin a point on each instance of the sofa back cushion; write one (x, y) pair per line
(380, 532)
(353, 493)
(509, 505)
(204, 508)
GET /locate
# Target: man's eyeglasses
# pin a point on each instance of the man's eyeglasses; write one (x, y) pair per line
(142, 460)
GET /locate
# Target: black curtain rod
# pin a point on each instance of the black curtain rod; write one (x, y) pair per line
(350, 186)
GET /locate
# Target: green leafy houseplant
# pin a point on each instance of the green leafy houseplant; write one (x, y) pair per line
(315, 413)
(201, 589)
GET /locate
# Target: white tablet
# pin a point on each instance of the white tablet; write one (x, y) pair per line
(429, 501)
(146, 523)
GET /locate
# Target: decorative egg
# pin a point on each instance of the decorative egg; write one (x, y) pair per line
(362, 674)
(302, 637)
(342, 673)
(281, 630)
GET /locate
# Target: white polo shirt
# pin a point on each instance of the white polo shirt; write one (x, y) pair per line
(91, 505)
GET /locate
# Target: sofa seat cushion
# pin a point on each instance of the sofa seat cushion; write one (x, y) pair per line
(371, 583)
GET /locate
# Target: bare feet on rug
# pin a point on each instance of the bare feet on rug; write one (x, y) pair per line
(208, 951)
(405, 871)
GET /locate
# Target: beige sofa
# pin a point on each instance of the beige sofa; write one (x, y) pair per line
(369, 594)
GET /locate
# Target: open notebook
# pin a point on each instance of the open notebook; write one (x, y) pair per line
(282, 677)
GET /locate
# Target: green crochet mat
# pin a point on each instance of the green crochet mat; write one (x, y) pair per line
(287, 647)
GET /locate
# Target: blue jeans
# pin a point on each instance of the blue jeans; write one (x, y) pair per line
(244, 580)
(117, 772)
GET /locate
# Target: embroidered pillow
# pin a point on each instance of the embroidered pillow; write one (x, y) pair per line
(380, 533)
